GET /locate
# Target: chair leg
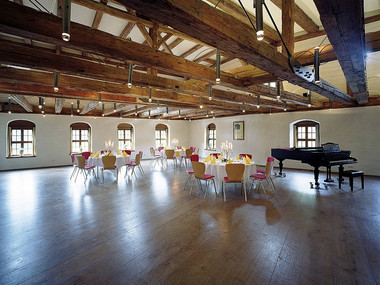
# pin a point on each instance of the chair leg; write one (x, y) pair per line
(245, 191)
(213, 181)
(74, 170)
(224, 190)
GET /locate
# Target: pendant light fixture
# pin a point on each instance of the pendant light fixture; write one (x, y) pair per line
(149, 114)
(56, 78)
(285, 106)
(210, 91)
(179, 113)
(135, 110)
(100, 97)
(258, 5)
(316, 65)
(9, 105)
(243, 107)
(309, 98)
(66, 20)
(39, 103)
(72, 109)
(258, 101)
(278, 89)
(114, 107)
(150, 95)
(217, 80)
(130, 75)
(200, 102)
(78, 110)
(102, 109)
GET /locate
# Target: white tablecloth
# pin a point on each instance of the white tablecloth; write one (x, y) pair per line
(120, 161)
(219, 171)
(180, 152)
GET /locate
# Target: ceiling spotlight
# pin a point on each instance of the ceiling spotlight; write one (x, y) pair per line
(285, 106)
(258, 5)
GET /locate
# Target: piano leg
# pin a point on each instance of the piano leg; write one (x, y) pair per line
(281, 174)
(328, 174)
(316, 175)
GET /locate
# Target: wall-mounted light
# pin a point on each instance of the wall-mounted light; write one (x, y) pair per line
(278, 90)
(56, 78)
(150, 94)
(258, 101)
(78, 110)
(130, 75)
(210, 91)
(258, 5)
(316, 65)
(66, 11)
(217, 80)
(72, 109)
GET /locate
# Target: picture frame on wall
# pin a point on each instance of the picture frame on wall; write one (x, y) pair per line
(238, 130)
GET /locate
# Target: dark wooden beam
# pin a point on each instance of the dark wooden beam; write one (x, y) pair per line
(344, 24)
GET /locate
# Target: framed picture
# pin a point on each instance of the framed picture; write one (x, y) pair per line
(238, 129)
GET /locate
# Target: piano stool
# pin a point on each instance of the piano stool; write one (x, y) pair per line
(351, 174)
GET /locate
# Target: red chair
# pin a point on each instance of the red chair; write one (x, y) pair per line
(242, 155)
(86, 154)
(260, 177)
(192, 148)
(216, 154)
(193, 157)
(133, 164)
(127, 151)
(160, 148)
(262, 171)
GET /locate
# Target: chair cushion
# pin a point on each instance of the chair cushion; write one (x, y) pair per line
(258, 176)
(260, 170)
(190, 171)
(132, 164)
(88, 167)
(225, 179)
(208, 176)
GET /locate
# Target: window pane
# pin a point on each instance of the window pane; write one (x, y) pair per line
(75, 135)
(120, 134)
(128, 134)
(76, 147)
(311, 143)
(84, 135)
(28, 148)
(84, 146)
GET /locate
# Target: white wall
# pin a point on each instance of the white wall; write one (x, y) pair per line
(355, 129)
(53, 137)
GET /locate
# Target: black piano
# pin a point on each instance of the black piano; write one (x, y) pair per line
(328, 155)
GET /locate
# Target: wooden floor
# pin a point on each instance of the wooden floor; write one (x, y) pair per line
(150, 231)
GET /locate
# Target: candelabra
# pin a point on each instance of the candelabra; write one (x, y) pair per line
(227, 149)
(109, 145)
(175, 143)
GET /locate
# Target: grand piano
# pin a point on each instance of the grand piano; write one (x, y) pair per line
(328, 155)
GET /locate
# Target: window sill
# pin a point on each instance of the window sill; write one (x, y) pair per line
(24, 156)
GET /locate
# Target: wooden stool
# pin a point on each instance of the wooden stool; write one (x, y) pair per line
(351, 174)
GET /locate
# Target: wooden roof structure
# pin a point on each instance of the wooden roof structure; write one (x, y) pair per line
(172, 48)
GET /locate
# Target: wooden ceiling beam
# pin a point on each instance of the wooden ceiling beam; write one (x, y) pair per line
(344, 25)
(127, 30)
(207, 24)
(176, 42)
(300, 17)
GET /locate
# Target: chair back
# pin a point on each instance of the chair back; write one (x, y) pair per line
(194, 157)
(169, 153)
(86, 154)
(127, 151)
(270, 158)
(109, 162)
(199, 169)
(138, 158)
(160, 148)
(242, 155)
(81, 161)
(141, 153)
(192, 148)
(235, 172)
(152, 152)
(269, 168)
(189, 152)
(216, 154)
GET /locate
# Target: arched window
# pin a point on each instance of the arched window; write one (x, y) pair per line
(306, 134)
(211, 137)
(21, 138)
(125, 136)
(80, 137)
(161, 131)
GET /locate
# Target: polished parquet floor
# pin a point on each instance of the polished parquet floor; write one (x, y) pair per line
(150, 231)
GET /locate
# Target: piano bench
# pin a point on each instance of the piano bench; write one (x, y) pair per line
(351, 174)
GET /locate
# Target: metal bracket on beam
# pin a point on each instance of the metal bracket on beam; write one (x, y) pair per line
(300, 70)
